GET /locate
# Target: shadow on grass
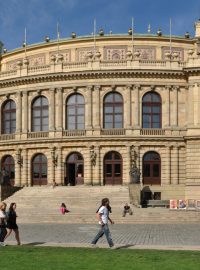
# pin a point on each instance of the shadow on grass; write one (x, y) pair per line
(34, 244)
(124, 246)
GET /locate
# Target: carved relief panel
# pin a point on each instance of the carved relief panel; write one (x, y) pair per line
(35, 60)
(66, 54)
(81, 53)
(179, 51)
(115, 52)
(146, 52)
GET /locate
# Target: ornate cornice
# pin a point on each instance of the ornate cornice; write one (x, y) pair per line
(86, 75)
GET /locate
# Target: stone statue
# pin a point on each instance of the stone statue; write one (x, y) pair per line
(93, 155)
(135, 174)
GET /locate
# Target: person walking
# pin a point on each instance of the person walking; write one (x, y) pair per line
(2, 223)
(103, 218)
(11, 223)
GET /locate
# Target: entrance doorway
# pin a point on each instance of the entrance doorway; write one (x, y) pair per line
(112, 169)
(74, 170)
(39, 170)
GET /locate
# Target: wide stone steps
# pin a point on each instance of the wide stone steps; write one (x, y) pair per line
(42, 205)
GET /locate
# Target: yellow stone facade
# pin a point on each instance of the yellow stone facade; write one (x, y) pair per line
(117, 65)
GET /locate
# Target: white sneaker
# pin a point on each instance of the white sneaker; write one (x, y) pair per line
(94, 246)
(2, 244)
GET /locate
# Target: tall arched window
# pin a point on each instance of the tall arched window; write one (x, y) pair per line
(151, 111)
(151, 168)
(8, 170)
(75, 118)
(113, 111)
(40, 114)
(9, 117)
(39, 170)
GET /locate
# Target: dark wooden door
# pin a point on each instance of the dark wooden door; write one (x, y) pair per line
(113, 169)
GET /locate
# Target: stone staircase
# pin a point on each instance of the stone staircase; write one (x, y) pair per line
(42, 204)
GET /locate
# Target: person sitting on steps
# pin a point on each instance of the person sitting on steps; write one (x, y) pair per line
(127, 209)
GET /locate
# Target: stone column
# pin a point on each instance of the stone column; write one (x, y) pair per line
(60, 109)
(137, 113)
(59, 174)
(88, 108)
(191, 106)
(25, 168)
(25, 111)
(128, 167)
(96, 107)
(127, 109)
(168, 165)
(176, 167)
(52, 110)
(88, 168)
(19, 113)
(175, 89)
(167, 106)
(51, 168)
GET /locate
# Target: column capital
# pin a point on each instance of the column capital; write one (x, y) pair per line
(168, 87)
(19, 94)
(59, 89)
(175, 87)
(52, 89)
(128, 86)
(24, 93)
(137, 87)
(97, 87)
(89, 87)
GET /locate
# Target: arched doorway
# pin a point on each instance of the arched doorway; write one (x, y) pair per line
(112, 168)
(74, 169)
(8, 170)
(39, 170)
(151, 169)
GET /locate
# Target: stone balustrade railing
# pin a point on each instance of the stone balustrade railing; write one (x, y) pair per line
(101, 132)
(26, 70)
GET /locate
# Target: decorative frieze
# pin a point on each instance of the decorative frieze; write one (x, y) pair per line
(146, 52)
(178, 51)
(66, 54)
(115, 52)
(82, 53)
(35, 60)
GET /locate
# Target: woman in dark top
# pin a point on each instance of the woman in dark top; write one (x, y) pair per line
(11, 222)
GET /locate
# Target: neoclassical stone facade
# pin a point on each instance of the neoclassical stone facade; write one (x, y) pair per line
(85, 114)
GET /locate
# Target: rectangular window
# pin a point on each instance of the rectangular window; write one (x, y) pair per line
(156, 170)
(146, 170)
(108, 170)
(117, 170)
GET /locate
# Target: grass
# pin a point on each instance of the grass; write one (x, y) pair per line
(51, 258)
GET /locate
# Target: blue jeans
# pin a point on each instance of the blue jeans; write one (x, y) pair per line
(103, 230)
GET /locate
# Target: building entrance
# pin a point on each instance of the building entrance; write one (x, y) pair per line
(74, 170)
(112, 169)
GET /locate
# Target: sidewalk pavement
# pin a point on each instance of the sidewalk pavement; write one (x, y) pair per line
(125, 236)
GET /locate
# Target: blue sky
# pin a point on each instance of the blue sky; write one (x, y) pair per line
(40, 17)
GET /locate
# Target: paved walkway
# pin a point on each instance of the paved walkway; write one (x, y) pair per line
(158, 236)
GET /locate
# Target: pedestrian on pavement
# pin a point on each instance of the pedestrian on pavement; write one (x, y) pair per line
(127, 209)
(2, 223)
(103, 218)
(12, 223)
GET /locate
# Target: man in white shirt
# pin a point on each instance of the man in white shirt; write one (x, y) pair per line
(103, 218)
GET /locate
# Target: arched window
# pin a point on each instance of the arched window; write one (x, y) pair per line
(40, 114)
(113, 168)
(9, 117)
(151, 111)
(113, 111)
(75, 108)
(39, 170)
(151, 169)
(8, 170)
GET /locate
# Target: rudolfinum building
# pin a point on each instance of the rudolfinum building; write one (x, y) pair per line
(81, 112)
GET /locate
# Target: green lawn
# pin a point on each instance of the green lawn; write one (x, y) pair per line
(47, 258)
